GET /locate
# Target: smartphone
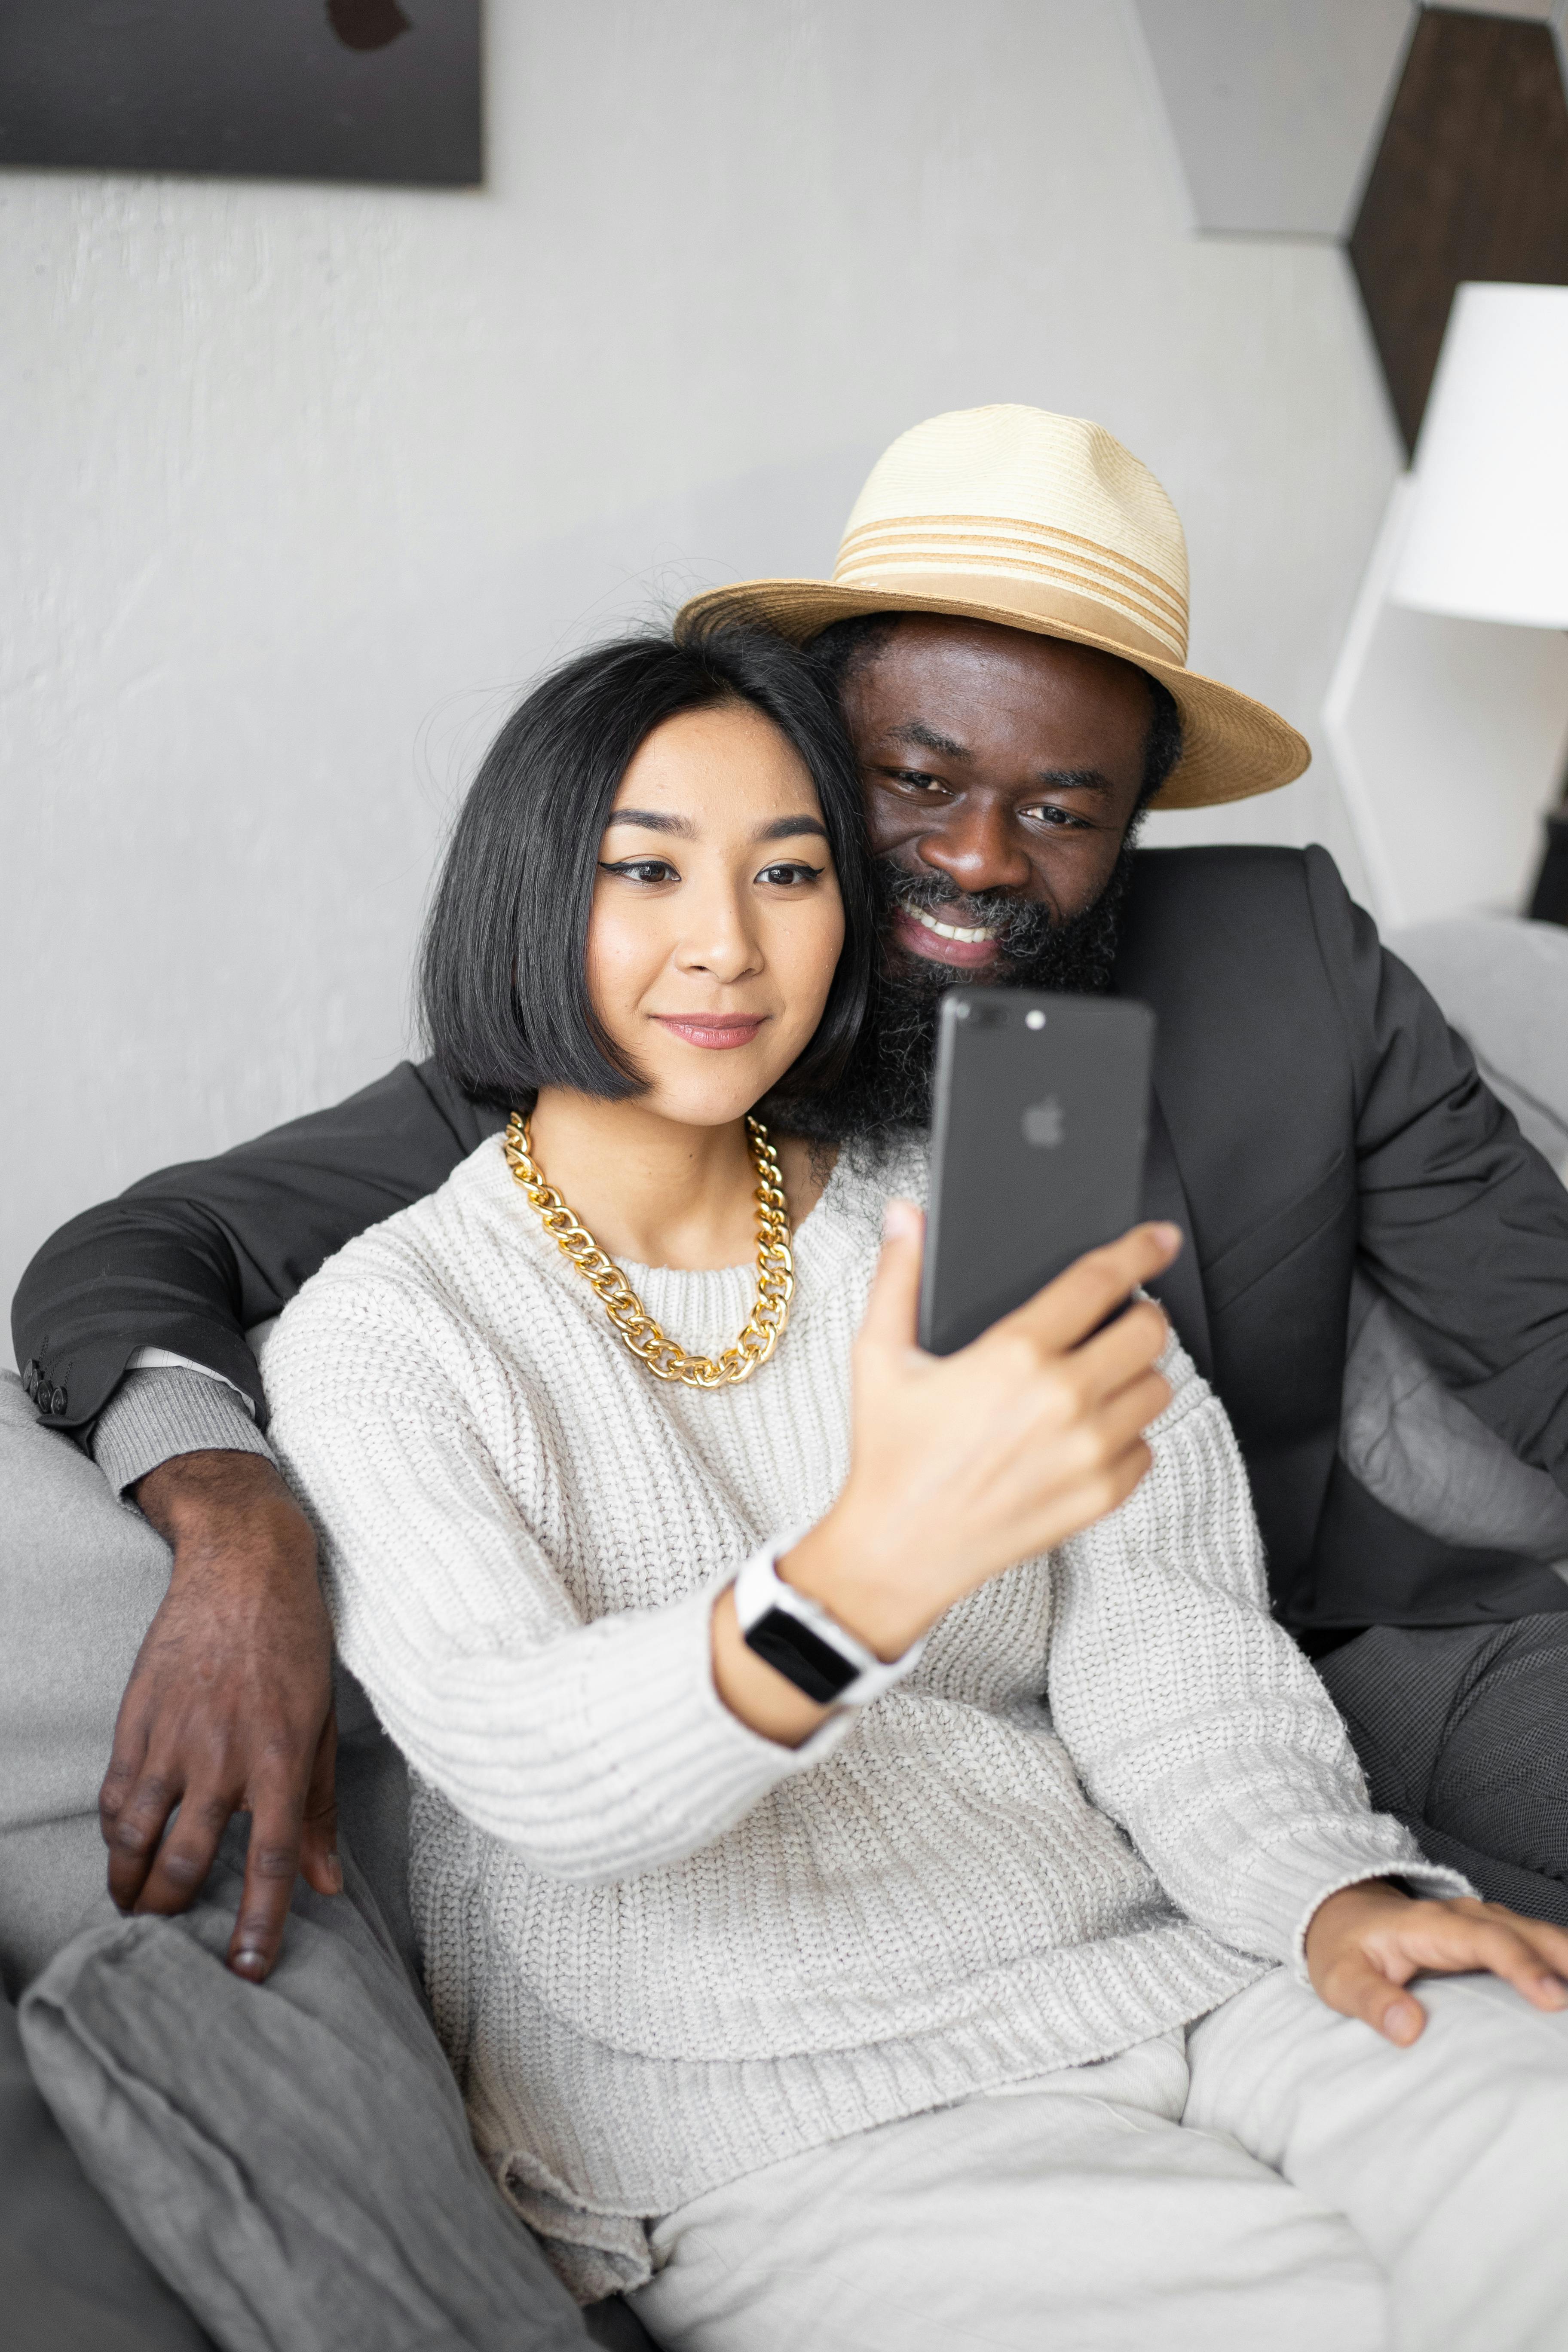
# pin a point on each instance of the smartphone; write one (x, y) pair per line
(1041, 1122)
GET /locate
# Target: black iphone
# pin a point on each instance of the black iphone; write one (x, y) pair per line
(1041, 1119)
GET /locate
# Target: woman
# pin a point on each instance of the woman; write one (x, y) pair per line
(843, 1777)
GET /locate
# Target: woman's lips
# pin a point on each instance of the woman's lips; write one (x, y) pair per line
(922, 938)
(715, 1031)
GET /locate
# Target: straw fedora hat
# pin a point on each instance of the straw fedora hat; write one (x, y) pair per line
(1043, 523)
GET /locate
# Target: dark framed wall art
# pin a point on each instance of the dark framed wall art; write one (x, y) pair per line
(386, 90)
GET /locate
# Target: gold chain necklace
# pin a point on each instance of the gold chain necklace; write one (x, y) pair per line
(666, 1358)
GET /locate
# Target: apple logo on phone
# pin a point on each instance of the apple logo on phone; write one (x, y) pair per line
(1045, 1124)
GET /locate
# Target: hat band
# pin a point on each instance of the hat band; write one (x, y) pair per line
(1020, 592)
(1040, 564)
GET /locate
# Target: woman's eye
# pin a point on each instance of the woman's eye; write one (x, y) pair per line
(642, 869)
(789, 876)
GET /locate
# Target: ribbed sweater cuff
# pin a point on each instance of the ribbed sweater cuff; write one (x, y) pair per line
(154, 1415)
(1294, 1874)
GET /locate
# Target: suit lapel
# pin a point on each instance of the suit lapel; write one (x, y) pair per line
(1180, 1288)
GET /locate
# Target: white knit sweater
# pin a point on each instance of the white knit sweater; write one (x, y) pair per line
(663, 1951)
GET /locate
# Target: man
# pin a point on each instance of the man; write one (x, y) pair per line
(1007, 621)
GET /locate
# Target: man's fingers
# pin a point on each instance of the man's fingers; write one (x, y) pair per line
(892, 1312)
(124, 1766)
(136, 1831)
(271, 1866)
(127, 1754)
(1356, 1987)
(1067, 1310)
(319, 1857)
(181, 1864)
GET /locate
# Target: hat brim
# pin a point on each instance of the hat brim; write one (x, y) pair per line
(1233, 748)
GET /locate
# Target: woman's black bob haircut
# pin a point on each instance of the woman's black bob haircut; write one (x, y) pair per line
(502, 967)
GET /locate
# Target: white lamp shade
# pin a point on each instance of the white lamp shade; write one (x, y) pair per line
(1489, 537)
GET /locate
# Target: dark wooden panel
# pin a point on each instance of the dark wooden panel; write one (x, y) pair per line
(315, 90)
(1470, 181)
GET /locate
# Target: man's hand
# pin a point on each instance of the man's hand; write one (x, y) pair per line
(1365, 1943)
(229, 1706)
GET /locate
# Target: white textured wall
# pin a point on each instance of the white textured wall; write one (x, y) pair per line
(297, 484)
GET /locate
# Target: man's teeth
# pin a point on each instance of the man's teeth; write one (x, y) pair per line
(950, 931)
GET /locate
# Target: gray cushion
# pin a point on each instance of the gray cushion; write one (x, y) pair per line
(70, 2278)
(1425, 1455)
(294, 2157)
(1504, 984)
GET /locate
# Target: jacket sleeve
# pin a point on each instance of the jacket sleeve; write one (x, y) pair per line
(190, 1258)
(1463, 1223)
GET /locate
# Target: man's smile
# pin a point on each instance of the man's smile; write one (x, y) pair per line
(928, 936)
(955, 930)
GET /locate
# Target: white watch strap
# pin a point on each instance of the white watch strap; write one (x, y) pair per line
(759, 1588)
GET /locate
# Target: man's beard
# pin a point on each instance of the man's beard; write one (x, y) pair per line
(886, 1084)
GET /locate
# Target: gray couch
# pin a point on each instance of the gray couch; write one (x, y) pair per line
(81, 1576)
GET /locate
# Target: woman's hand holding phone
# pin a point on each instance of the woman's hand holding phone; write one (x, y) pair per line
(962, 1466)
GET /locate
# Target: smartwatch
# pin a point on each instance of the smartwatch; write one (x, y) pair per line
(798, 1638)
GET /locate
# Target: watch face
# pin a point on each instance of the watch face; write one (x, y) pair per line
(803, 1657)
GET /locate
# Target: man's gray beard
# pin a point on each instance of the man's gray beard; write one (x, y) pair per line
(887, 1083)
